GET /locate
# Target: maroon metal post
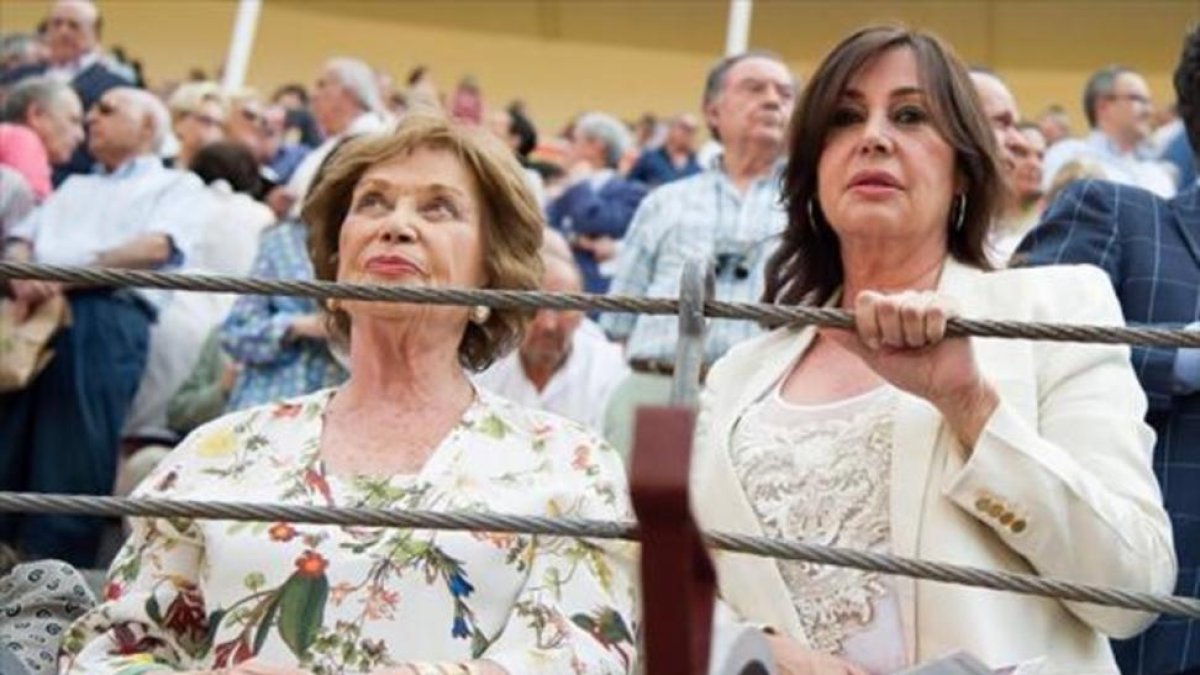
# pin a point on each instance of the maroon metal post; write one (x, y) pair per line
(678, 581)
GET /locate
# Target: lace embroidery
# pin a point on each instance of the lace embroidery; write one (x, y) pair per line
(824, 481)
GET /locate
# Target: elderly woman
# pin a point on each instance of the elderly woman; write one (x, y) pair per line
(1018, 456)
(419, 207)
(198, 115)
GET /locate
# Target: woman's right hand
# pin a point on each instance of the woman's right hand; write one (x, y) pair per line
(792, 659)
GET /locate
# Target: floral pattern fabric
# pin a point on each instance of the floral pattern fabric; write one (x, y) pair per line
(192, 594)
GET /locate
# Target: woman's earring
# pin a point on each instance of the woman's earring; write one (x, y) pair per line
(480, 314)
(961, 201)
(812, 218)
(332, 304)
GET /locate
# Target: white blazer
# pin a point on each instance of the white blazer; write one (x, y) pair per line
(1066, 457)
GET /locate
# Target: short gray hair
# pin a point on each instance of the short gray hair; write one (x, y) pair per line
(359, 79)
(609, 131)
(1100, 84)
(44, 91)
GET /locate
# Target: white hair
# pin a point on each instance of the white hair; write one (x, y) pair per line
(156, 113)
(358, 78)
(609, 131)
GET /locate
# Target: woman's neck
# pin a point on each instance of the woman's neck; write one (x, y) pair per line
(889, 268)
(400, 366)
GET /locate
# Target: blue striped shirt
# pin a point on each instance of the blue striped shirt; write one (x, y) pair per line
(704, 215)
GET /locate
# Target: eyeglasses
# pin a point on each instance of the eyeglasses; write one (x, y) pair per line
(206, 120)
(1133, 98)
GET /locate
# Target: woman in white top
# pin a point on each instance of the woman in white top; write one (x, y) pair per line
(1011, 455)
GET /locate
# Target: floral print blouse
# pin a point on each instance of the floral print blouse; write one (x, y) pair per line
(199, 594)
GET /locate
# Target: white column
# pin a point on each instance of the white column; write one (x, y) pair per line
(241, 43)
(737, 31)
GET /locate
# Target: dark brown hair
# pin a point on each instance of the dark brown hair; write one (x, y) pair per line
(511, 221)
(807, 266)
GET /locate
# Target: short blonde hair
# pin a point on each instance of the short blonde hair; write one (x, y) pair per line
(511, 221)
(1073, 171)
(189, 96)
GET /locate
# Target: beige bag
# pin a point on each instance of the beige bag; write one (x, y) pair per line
(25, 347)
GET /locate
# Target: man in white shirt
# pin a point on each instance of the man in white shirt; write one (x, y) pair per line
(1118, 107)
(565, 364)
(61, 433)
(345, 102)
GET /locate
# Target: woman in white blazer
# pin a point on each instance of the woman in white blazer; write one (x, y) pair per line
(1013, 455)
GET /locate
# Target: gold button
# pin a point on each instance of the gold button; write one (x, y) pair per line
(996, 510)
(1007, 518)
(983, 503)
(1018, 526)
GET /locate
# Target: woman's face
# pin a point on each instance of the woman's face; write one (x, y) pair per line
(414, 220)
(201, 127)
(886, 175)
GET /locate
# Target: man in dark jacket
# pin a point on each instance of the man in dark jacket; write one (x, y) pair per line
(1150, 248)
(594, 212)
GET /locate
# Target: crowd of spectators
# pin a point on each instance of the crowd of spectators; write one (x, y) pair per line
(99, 169)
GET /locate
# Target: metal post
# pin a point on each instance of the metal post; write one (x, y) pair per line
(737, 31)
(694, 288)
(241, 43)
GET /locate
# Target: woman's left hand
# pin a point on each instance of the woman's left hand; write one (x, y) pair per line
(902, 337)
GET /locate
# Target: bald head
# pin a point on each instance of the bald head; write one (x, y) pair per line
(1000, 108)
(72, 30)
(126, 123)
(547, 340)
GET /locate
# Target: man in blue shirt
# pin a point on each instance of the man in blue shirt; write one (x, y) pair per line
(61, 433)
(674, 159)
(594, 212)
(1150, 247)
(729, 214)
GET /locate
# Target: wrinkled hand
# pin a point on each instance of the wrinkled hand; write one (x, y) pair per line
(902, 337)
(280, 199)
(311, 326)
(792, 659)
(228, 377)
(601, 248)
(604, 248)
(27, 295)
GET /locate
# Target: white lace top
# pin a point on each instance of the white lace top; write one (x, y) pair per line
(820, 473)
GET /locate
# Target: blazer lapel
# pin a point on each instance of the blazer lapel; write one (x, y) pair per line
(1186, 206)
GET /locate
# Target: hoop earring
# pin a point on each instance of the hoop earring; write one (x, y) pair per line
(812, 218)
(332, 305)
(480, 314)
(961, 202)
